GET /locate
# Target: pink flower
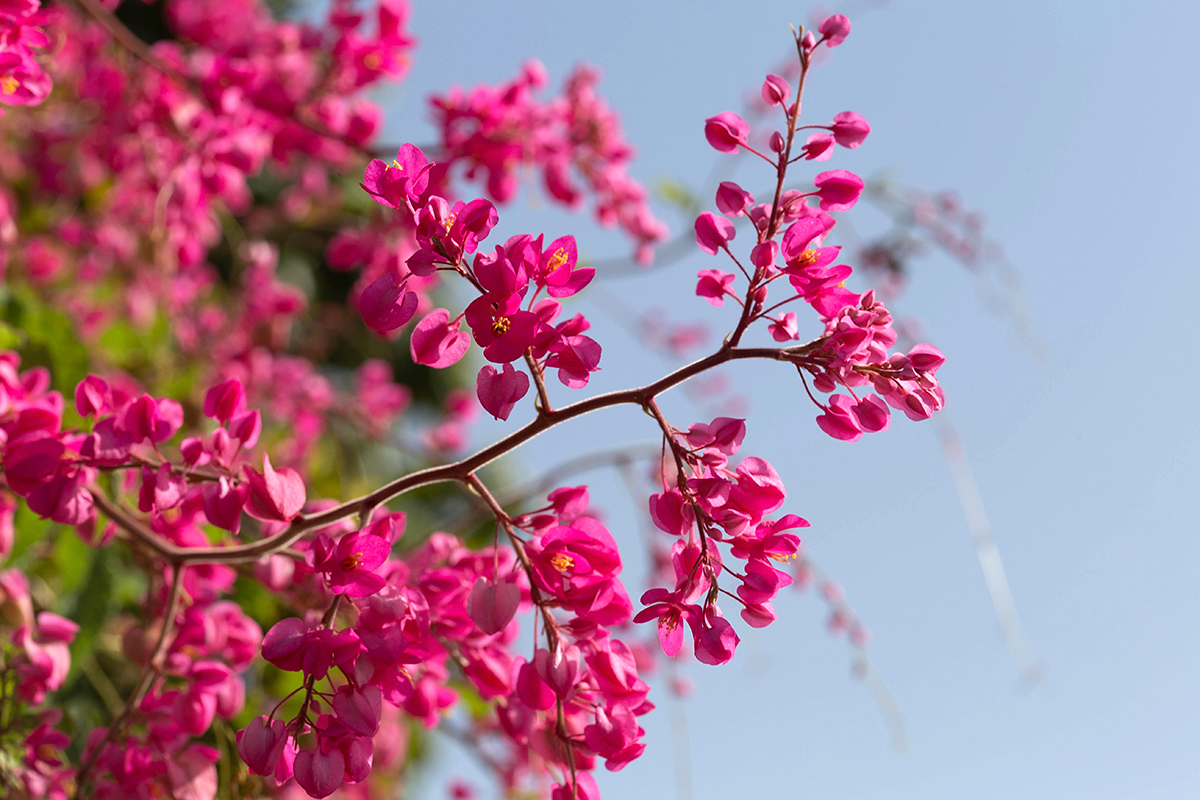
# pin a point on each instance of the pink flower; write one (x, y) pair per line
(92, 396)
(386, 305)
(775, 90)
(320, 772)
(437, 341)
(834, 30)
(492, 606)
(223, 504)
(838, 189)
(401, 182)
(839, 419)
(712, 232)
(556, 269)
(733, 199)
(275, 495)
(294, 644)
(819, 147)
(713, 285)
(726, 131)
(224, 400)
(715, 638)
(349, 566)
(850, 129)
(499, 391)
(671, 612)
(785, 328)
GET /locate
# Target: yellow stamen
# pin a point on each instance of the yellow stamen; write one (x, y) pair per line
(9, 84)
(562, 563)
(670, 622)
(501, 326)
(557, 260)
(781, 558)
(396, 165)
(352, 562)
(809, 256)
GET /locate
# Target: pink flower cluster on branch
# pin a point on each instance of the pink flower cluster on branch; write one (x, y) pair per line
(213, 486)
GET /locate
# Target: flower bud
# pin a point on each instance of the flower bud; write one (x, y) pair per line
(775, 90)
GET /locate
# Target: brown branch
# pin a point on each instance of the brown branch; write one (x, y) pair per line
(456, 471)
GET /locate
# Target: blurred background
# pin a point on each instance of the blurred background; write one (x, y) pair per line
(1071, 126)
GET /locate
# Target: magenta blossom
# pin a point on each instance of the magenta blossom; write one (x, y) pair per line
(387, 304)
(275, 494)
(499, 391)
(838, 189)
(850, 129)
(834, 29)
(726, 131)
(713, 285)
(437, 341)
(401, 182)
(349, 566)
(712, 232)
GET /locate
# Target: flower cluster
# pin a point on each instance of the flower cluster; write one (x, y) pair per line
(507, 320)
(494, 131)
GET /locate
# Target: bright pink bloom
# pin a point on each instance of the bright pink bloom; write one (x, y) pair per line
(926, 358)
(224, 400)
(850, 129)
(715, 638)
(350, 565)
(819, 147)
(294, 644)
(156, 420)
(838, 189)
(92, 396)
(726, 131)
(320, 772)
(763, 255)
(561, 670)
(713, 285)
(359, 708)
(499, 391)
(556, 269)
(223, 504)
(872, 414)
(400, 183)
(785, 328)
(724, 434)
(839, 419)
(437, 341)
(161, 490)
(614, 737)
(532, 690)
(492, 606)
(671, 612)
(275, 494)
(712, 232)
(834, 30)
(387, 304)
(733, 199)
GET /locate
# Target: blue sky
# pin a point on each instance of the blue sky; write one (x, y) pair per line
(1072, 125)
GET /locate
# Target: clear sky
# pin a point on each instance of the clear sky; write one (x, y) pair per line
(1073, 126)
